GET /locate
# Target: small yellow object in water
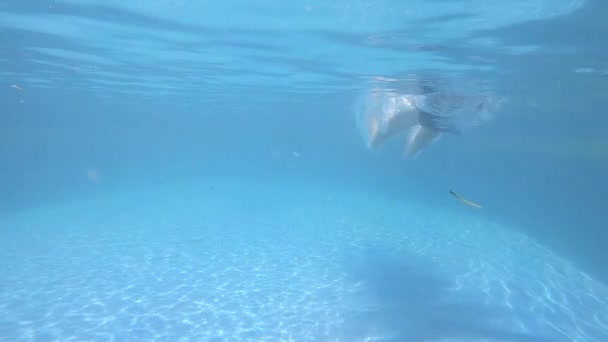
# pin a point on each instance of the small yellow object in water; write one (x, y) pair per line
(464, 200)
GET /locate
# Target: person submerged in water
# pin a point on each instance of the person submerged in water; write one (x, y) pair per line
(423, 117)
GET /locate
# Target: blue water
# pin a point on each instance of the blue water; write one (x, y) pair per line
(175, 170)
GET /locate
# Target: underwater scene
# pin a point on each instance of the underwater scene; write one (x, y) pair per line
(303, 170)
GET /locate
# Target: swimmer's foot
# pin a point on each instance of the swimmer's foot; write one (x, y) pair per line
(418, 139)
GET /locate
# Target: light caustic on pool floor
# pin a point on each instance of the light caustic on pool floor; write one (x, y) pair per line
(346, 267)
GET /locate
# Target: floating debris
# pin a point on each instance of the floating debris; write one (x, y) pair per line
(464, 200)
(17, 87)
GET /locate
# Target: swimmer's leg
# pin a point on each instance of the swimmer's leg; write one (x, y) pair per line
(393, 120)
(374, 140)
(418, 139)
(395, 116)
